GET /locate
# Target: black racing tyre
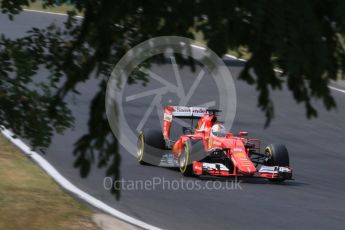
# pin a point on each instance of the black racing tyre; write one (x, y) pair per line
(150, 147)
(192, 150)
(278, 156)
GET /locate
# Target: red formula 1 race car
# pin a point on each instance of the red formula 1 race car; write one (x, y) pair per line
(208, 149)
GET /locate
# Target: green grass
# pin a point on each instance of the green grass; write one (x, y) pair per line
(29, 199)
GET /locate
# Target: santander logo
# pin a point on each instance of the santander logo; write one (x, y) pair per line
(182, 109)
(199, 110)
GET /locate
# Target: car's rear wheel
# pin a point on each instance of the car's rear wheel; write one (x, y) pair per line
(192, 151)
(277, 156)
(150, 147)
(185, 165)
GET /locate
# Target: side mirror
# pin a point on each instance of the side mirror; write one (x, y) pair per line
(243, 134)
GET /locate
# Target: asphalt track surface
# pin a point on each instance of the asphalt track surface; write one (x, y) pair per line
(315, 200)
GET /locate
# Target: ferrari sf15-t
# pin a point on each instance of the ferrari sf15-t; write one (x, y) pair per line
(207, 148)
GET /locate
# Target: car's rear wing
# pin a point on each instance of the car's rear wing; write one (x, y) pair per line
(180, 112)
(186, 112)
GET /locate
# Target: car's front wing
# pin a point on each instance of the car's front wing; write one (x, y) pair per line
(218, 169)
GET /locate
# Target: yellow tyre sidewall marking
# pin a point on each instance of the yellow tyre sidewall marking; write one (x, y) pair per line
(186, 150)
(142, 145)
(268, 150)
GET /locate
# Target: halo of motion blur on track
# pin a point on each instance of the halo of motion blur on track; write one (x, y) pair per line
(208, 149)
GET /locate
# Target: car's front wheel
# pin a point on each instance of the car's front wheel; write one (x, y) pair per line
(277, 155)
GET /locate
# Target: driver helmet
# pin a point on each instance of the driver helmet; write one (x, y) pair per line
(218, 130)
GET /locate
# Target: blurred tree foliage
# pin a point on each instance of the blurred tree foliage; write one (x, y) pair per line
(305, 39)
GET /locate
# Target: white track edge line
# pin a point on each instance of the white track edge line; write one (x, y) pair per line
(67, 185)
(337, 89)
(49, 12)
